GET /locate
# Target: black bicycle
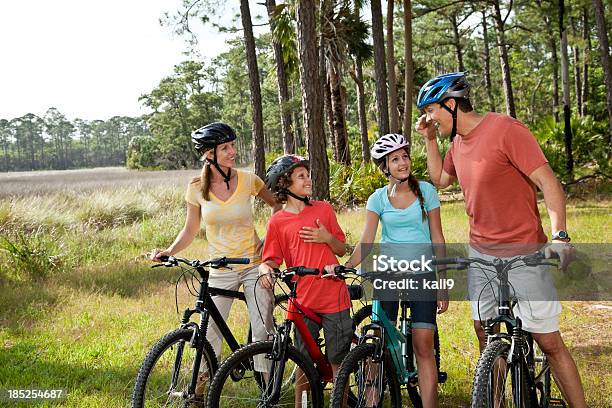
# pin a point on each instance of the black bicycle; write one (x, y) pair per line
(511, 372)
(173, 375)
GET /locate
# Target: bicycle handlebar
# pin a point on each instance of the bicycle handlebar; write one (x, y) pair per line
(296, 270)
(535, 259)
(216, 263)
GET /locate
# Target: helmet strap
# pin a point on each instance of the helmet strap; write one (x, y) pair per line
(305, 200)
(453, 113)
(226, 177)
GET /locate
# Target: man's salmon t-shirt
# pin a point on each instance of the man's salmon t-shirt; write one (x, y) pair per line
(284, 244)
(492, 164)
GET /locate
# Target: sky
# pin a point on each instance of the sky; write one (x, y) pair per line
(91, 59)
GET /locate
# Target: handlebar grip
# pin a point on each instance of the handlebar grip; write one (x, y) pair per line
(238, 261)
(448, 261)
(306, 271)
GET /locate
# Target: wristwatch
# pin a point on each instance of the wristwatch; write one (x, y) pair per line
(561, 236)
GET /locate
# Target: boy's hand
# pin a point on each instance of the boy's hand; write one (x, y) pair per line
(320, 234)
(329, 271)
(265, 272)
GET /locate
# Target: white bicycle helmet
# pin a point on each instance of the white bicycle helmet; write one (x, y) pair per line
(388, 144)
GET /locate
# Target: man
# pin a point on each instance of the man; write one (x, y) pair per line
(499, 164)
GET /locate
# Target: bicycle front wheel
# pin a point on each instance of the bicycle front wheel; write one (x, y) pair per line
(361, 382)
(165, 374)
(495, 383)
(246, 380)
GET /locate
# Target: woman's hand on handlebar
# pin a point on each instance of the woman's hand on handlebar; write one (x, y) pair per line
(266, 278)
(158, 253)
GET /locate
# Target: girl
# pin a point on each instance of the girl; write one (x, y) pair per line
(409, 211)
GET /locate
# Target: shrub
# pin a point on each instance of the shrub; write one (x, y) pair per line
(32, 256)
(590, 147)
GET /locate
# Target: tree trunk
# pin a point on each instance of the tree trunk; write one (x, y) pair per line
(329, 114)
(380, 71)
(604, 48)
(339, 133)
(361, 109)
(299, 137)
(569, 163)
(409, 71)
(258, 133)
(552, 44)
(283, 88)
(390, 53)
(487, 62)
(503, 56)
(312, 99)
(585, 58)
(577, 72)
(457, 42)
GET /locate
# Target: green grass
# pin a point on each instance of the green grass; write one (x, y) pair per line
(86, 324)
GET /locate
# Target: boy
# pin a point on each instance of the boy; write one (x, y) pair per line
(306, 233)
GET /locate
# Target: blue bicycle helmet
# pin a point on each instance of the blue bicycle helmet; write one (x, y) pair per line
(453, 85)
(441, 88)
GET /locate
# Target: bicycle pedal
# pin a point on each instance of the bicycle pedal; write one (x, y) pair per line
(556, 403)
(442, 377)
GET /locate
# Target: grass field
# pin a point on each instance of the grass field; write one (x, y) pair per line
(80, 307)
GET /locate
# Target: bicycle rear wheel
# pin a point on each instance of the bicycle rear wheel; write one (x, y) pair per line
(165, 374)
(240, 384)
(494, 381)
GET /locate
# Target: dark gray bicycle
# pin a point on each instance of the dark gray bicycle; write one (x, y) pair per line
(511, 371)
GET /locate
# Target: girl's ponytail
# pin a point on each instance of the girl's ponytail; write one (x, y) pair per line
(413, 183)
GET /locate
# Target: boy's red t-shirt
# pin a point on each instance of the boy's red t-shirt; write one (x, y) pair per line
(492, 164)
(283, 244)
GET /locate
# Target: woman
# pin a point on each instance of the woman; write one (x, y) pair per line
(220, 199)
(409, 212)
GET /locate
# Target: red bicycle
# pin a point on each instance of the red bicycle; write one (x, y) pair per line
(274, 373)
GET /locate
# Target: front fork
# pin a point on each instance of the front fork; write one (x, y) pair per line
(278, 357)
(199, 333)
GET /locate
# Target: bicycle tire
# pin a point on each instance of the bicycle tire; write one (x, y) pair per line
(483, 393)
(362, 314)
(163, 356)
(233, 387)
(350, 367)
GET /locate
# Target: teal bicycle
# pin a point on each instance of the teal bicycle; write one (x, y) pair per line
(382, 362)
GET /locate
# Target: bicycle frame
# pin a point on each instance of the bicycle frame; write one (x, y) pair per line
(396, 341)
(295, 315)
(207, 309)
(521, 353)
